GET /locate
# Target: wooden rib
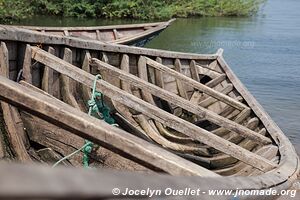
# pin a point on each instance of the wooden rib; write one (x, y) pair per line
(98, 35)
(213, 66)
(27, 68)
(151, 111)
(47, 81)
(206, 71)
(214, 82)
(196, 85)
(116, 34)
(66, 89)
(185, 104)
(241, 117)
(155, 136)
(210, 100)
(194, 71)
(180, 85)
(143, 74)
(97, 131)
(16, 134)
(159, 75)
(183, 139)
(123, 110)
(66, 33)
(267, 152)
(86, 91)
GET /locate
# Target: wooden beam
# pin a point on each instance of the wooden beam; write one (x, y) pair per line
(207, 90)
(151, 111)
(63, 115)
(183, 103)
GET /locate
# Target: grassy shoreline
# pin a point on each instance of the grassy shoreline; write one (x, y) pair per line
(11, 10)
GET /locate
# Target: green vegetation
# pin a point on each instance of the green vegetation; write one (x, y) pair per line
(138, 9)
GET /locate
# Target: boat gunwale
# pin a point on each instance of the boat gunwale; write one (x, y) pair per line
(24, 35)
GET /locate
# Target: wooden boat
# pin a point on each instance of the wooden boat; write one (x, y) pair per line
(192, 105)
(129, 34)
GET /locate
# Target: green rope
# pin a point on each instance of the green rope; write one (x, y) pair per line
(97, 109)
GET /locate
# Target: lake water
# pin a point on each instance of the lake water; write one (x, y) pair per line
(264, 51)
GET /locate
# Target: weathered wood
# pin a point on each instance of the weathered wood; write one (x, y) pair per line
(159, 75)
(47, 81)
(16, 135)
(66, 87)
(180, 85)
(86, 91)
(125, 67)
(132, 32)
(196, 85)
(98, 35)
(185, 104)
(93, 28)
(153, 112)
(216, 81)
(97, 131)
(194, 71)
(66, 32)
(9, 33)
(155, 136)
(27, 67)
(152, 130)
(210, 100)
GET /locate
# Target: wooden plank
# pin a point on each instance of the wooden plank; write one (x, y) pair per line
(16, 133)
(66, 87)
(47, 81)
(185, 104)
(207, 90)
(180, 85)
(151, 111)
(95, 130)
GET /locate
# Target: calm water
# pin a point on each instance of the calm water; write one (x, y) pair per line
(264, 51)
